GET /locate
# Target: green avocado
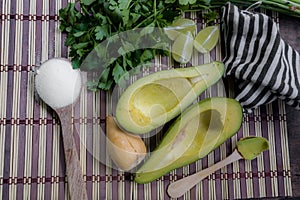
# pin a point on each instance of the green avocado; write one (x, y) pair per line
(157, 98)
(195, 133)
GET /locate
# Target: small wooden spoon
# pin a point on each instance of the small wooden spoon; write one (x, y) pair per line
(51, 77)
(247, 148)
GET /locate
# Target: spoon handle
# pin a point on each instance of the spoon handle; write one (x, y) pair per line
(77, 186)
(178, 188)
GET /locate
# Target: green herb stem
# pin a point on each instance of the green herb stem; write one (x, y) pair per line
(291, 8)
(154, 8)
(149, 17)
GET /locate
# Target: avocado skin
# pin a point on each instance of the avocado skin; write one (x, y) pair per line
(232, 121)
(213, 72)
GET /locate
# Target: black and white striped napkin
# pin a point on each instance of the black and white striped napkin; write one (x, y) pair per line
(264, 66)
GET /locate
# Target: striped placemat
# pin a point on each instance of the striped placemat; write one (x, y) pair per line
(31, 153)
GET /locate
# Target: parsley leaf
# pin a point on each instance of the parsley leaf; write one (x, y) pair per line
(186, 2)
(101, 32)
(118, 72)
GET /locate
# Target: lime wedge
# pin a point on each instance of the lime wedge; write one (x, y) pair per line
(182, 47)
(207, 39)
(181, 25)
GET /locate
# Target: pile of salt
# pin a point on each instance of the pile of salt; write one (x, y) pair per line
(57, 83)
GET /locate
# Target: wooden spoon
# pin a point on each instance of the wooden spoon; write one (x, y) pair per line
(59, 86)
(247, 148)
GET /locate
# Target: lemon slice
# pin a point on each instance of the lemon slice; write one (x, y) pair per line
(181, 25)
(182, 47)
(207, 39)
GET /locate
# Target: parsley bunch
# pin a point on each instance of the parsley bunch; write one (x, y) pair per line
(90, 22)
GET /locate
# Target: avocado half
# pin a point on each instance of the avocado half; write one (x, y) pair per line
(157, 98)
(195, 133)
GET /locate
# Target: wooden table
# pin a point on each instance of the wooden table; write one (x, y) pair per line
(290, 29)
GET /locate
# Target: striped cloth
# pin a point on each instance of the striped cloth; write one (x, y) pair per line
(265, 66)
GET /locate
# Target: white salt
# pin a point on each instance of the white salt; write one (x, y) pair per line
(57, 83)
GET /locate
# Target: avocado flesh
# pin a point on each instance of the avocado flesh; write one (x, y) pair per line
(156, 99)
(250, 147)
(198, 131)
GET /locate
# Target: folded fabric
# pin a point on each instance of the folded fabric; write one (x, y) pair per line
(264, 65)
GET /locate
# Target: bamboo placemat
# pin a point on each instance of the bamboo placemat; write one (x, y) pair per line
(31, 155)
